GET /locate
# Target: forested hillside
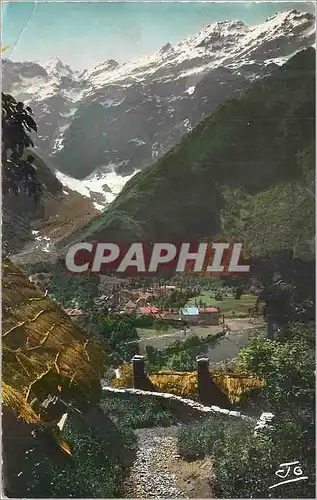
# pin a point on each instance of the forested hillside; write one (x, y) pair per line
(245, 172)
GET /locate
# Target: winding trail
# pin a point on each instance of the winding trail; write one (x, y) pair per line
(149, 475)
(159, 472)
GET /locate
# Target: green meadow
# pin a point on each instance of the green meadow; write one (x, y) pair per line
(229, 305)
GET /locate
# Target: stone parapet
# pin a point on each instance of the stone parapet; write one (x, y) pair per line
(188, 408)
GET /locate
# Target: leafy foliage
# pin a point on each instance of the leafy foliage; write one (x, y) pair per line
(120, 336)
(180, 355)
(118, 332)
(71, 291)
(18, 174)
(137, 413)
(176, 300)
(198, 439)
(287, 365)
(245, 463)
(96, 469)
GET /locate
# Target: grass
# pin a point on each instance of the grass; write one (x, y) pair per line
(228, 304)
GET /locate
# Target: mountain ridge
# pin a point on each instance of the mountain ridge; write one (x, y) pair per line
(121, 117)
(249, 155)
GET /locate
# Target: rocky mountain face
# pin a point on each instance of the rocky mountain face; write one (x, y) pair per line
(52, 92)
(30, 227)
(244, 173)
(104, 125)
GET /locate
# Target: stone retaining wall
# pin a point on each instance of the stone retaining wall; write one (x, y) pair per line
(186, 409)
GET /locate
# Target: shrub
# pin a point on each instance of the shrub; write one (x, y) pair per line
(245, 464)
(286, 365)
(96, 469)
(135, 412)
(196, 440)
(238, 293)
(181, 355)
(160, 325)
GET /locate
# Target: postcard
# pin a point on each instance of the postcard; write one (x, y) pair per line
(158, 249)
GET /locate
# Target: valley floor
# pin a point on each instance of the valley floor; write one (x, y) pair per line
(160, 340)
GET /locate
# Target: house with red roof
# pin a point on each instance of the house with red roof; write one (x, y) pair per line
(149, 310)
(209, 315)
(130, 307)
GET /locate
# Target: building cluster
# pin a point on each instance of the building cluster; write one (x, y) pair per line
(189, 315)
(131, 301)
(200, 315)
(120, 299)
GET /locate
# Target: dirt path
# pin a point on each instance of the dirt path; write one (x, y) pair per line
(159, 472)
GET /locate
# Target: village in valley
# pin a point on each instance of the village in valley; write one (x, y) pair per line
(171, 312)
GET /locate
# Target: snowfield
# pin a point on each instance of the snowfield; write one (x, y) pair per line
(108, 185)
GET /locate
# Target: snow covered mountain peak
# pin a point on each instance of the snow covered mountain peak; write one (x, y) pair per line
(56, 67)
(289, 21)
(104, 67)
(217, 35)
(289, 14)
(229, 24)
(166, 48)
(124, 116)
(109, 64)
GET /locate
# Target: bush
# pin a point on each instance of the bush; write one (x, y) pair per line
(144, 321)
(287, 365)
(99, 463)
(160, 325)
(197, 440)
(119, 334)
(181, 355)
(238, 293)
(137, 413)
(245, 464)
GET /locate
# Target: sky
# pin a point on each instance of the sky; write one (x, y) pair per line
(84, 34)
